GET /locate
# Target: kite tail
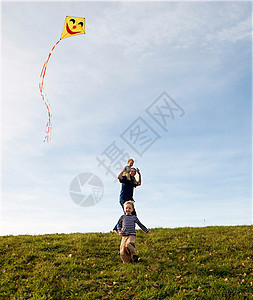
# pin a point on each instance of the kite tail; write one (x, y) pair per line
(45, 99)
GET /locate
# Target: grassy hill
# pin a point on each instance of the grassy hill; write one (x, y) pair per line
(181, 263)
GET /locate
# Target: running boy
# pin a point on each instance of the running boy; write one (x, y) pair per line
(126, 228)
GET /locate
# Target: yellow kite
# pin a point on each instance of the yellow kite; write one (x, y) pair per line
(72, 26)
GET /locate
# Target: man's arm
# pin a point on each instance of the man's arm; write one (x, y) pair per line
(120, 177)
(139, 180)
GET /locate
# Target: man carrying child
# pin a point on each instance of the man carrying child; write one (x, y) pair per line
(128, 184)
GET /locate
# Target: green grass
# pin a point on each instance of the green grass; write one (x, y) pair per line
(181, 263)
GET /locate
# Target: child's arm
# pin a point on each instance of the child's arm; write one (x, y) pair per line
(119, 225)
(144, 228)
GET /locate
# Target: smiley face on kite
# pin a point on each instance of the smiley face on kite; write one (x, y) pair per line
(73, 26)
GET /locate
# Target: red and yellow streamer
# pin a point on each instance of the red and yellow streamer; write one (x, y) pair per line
(72, 26)
(48, 129)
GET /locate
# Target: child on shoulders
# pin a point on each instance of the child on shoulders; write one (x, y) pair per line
(129, 165)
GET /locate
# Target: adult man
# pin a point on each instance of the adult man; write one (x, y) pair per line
(128, 184)
(127, 187)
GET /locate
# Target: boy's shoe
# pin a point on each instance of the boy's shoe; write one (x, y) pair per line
(136, 258)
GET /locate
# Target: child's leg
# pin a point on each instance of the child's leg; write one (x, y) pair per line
(130, 243)
(124, 252)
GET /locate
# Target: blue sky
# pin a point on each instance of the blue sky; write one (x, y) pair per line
(194, 57)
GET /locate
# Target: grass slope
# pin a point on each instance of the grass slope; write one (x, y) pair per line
(181, 263)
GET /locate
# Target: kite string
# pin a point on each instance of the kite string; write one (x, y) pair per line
(48, 129)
